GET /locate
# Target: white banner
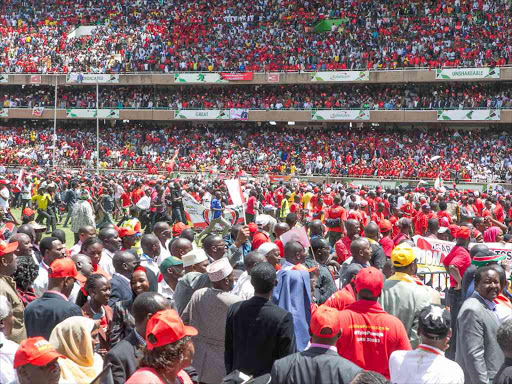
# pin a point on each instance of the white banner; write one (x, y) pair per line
(238, 114)
(4, 78)
(199, 78)
(339, 114)
(91, 113)
(199, 217)
(341, 76)
(467, 73)
(208, 114)
(4, 112)
(235, 191)
(37, 111)
(91, 78)
(469, 114)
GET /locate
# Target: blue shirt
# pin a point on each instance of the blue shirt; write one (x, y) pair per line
(216, 204)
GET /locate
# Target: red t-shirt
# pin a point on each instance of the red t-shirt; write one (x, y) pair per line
(370, 335)
(258, 239)
(342, 299)
(336, 212)
(460, 258)
(342, 248)
(250, 205)
(388, 245)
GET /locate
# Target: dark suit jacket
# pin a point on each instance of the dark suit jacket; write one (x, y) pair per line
(123, 358)
(43, 314)
(258, 332)
(119, 291)
(314, 365)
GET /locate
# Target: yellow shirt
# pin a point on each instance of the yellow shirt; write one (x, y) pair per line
(306, 198)
(42, 201)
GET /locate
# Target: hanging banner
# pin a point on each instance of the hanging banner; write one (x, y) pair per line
(198, 78)
(4, 112)
(4, 78)
(37, 111)
(341, 76)
(91, 113)
(469, 114)
(199, 217)
(467, 73)
(339, 114)
(238, 114)
(35, 79)
(91, 78)
(245, 76)
(209, 114)
(273, 78)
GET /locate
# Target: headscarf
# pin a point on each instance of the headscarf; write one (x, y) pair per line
(491, 234)
(73, 339)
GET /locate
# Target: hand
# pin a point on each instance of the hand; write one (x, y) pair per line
(243, 236)
(458, 287)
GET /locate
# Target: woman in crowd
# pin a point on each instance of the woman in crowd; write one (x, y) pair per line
(77, 339)
(26, 273)
(93, 248)
(93, 299)
(122, 320)
(169, 349)
(493, 235)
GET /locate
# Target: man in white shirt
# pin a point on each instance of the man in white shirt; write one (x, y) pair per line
(171, 270)
(8, 348)
(164, 234)
(111, 244)
(4, 195)
(243, 287)
(145, 201)
(51, 249)
(427, 363)
(83, 234)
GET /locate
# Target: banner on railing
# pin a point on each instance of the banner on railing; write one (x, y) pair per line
(199, 78)
(199, 216)
(4, 112)
(93, 113)
(91, 78)
(273, 77)
(238, 114)
(37, 111)
(35, 79)
(341, 76)
(207, 114)
(333, 114)
(469, 114)
(4, 78)
(467, 73)
(245, 76)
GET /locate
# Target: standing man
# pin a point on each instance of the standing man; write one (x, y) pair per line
(361, 257)
(71, 198)
(342, 246)
(111, 244)
(207, 312)
(258, 332)
(217, 208)
(178, 210)
(250, 210)
(427, 363)
(83, 215)
(162, 230)
(335, 221)
(320, 363)
(8, 289)
(124, 263)
(171, 270)
(51, 250)
(456, 263)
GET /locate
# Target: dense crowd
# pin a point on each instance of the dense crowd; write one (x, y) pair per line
(151, 35)
(387, 97)
(309, 283)
(465, 155)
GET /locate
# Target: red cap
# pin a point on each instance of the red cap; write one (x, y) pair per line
(253, 227)
(463, 233)
(371, 279)
(178, 228)
(6, 247)
(166, 327)
(28, 212)
(126, 232)
(61, 268)
(35, 351)
(325, 319)
(453, 229)
(385, 226)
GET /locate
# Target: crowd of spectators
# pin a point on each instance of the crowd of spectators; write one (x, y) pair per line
(478, 155)
(222, 35)
(397, 96)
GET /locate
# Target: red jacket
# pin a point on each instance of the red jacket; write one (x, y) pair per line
(370, 335)
(258, 239)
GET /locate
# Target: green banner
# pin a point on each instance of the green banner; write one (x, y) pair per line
(469, 114)
(199, 78)
(467, 73)
(4, 78)
(93, 113)
(91, 78)
(209, 114)
(339, 114)
(4, 112)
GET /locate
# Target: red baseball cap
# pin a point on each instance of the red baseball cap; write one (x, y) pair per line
(126, 232)
(35, 351)
(61, 268)
(166, 327)
(463, 233)
(325, 322)
(385, 226)
(6, 247)
(253, 228)
(178, 228)
(28, 212)
(371, 279)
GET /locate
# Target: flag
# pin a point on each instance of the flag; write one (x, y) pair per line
(37, 111)
(235, 191)
(439, 185)
(20, 178)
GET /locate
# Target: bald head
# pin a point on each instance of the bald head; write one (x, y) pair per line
(189, 234)
(83, 264)
(24, 244)
(353, 228)
(252, 259)
(360, 250)
(124, 262)
(294, 252)
(316, 228)
(28, 230)
(162, 231)
(150, 245)
(180, 247)
(281, 228)
(372, 231)
(478, 248)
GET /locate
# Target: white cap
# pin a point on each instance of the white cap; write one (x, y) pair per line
(265, 248)
(194, 257)
(262, 220)
(219, 270)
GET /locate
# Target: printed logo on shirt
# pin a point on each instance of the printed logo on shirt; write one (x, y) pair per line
(368, 333)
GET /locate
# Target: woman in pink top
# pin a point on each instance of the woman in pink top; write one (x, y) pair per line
(169, 349)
